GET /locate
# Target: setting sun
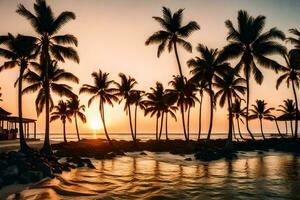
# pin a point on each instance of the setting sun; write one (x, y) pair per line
(95, 124)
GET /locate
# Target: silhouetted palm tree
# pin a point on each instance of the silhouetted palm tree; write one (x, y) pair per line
(62, 112)
(292, 40)
(260, 111)
(102, 90)
(291, 74)
(202, 87)
(169, 109)
(136, 98)
(229, 85)
(20, 52)
(124, 88)
(155, 105)
(1, 95)
(178, 93)
(76, 110)
(46, 25)
(42, 80)
(204, 68)
(288, 108)
(172, 33)
(252, 45)
(237, 113)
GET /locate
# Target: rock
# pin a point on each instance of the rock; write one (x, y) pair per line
(24, 178)
(208, 155)
(45, 169)
(91, 166)
(260, 152)
(188, 159)
(80, 164)
(35, 175)
(143, 153)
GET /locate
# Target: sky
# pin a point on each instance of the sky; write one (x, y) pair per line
(112, 35)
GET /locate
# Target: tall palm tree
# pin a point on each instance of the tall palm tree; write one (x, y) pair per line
(261, 111)
(178, 92)
(48, 81)
(169, 109)
(50, 44)
(136, 98)
(229, 86)
(291, 73)
(76, 110)
(20, 52)
(237, 113)
(249, 43)
(204, 68)
(288, 108)
(155, 106)
(62, 112)
(172, 33)
(124, 88)
(102, 90)
(202, 87)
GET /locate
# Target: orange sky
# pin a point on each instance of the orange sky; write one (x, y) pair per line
(111, 36)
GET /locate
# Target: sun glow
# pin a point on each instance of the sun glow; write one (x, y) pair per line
(95, 124)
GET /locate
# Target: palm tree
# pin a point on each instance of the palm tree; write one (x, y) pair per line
(288, 108)
(204, 68)
(291, 75)
(43, 80)
(178, 92)
(155, 106)
(104, 92)
(229, 85)
(237, 113)
(136, 98)
(252, 45)
(76, 110)
(49, 44)
(1, 95)
(292, 40)
(261, 112)
(124, 88)
(202, 87)
(172, 33)
(62, 112)
(19, 52)
(170, 109)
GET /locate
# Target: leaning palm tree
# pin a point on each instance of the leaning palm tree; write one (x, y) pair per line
(288, 108)
(260, 111)
(136, 98)
(102, 90)
(46, 82)
(20, 52)
(172, 33)
(155, 106)
(50, 44)
(62, 112)
(229, 85)
(76, 110)
(123, 90)
(291, 73)
(204, 68)
(252, 46)
(237, 113)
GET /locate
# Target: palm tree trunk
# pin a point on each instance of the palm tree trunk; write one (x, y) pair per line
(161, 125)
(229, 139)
(183, 121)
(76, 125)
(247, 106)
(47, 147)
(64, 131)
(188, 123)
(177, 59)
(297, 111)
(286, 128)
(130, 123)
(200, 112)
(278, 128)
(233, 131)
(135, 120)
(101, 109)
(238, 125)
(261, 128)
(23, 145)
(167, 137)
(211, 110)
(292, 131)
(156, 128)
